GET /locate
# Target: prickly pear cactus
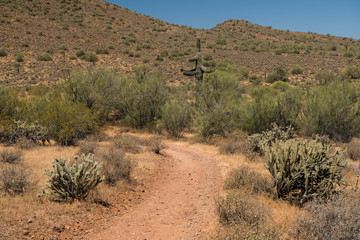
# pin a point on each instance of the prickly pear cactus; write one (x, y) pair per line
(302, 170)
(75, 181)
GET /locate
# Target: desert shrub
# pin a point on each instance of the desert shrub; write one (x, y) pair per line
(233, 147)
(175, 117)
(94, 88)
(86, 147)
(44, 57)
(25, 44)
(216, 101)
(117, 167)
(256, 114)
(240, 208)
(25, 143)
(90, 57)
(353, 150)
(16, 179)
(80, 53)
(260, 141)
(302, 170)
(332, 111)
(352, 73)
(7, 156)
(65, 121)
(75, 181)
(128, 143)
(155, 145)
(19, 57)
(296, 69)
(338, 218)
(140, 100)
(280, 85)
(325, 77)
(245, 178)
(33, 131)
(279, 74)
(348, 54)
(102, 51)
(3, 52)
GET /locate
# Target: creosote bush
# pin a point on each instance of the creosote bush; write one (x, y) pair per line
(75, 181)
(233, 147)
(175, 117)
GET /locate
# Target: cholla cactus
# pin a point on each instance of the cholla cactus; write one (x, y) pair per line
(74, 182)
(259, 141)
(305, 169)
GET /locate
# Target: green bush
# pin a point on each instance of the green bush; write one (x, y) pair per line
(332, 111)
(45, 57)
(352, 73)
(279, 74)
(19, 57)
(295, 70)
(90, 57)
(75, 181)
(280, 85)
(94, 88)
(175, 116)
(348, 54)
(3, 52)
(303, 170)
(102, 51)
(140, 100)
(256, 114)
(325, 77)
(80, 53)
(64, 120)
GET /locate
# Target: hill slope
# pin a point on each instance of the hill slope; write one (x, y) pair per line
(57, 30)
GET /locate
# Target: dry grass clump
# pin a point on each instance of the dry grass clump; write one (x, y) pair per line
(243, 217)
(155, 145)
(240, 208)
(353, 150)
(25, 143)
(86, 147)
(244, 177)
(15, 180)
(10, 156)
(233, 147)
(337, 218)
(128, 143)
(117, 166)
(98, 137)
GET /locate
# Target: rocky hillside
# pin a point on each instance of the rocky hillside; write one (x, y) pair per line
(41, 41)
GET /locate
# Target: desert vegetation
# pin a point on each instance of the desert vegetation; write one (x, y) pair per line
(94, 101)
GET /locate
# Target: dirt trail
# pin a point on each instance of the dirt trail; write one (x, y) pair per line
(180, 204)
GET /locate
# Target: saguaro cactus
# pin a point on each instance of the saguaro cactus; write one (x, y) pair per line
(199, 69)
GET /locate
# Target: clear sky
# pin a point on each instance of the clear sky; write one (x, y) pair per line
(338, 18)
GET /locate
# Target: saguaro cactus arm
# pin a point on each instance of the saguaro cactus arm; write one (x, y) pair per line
(199, 69)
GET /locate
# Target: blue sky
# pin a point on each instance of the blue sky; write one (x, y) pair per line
(338, 18)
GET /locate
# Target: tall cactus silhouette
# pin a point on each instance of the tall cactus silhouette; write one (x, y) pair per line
(199, 69)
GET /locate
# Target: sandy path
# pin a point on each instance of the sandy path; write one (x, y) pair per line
(180, 204)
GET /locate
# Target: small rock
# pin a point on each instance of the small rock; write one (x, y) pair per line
(26, 231)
